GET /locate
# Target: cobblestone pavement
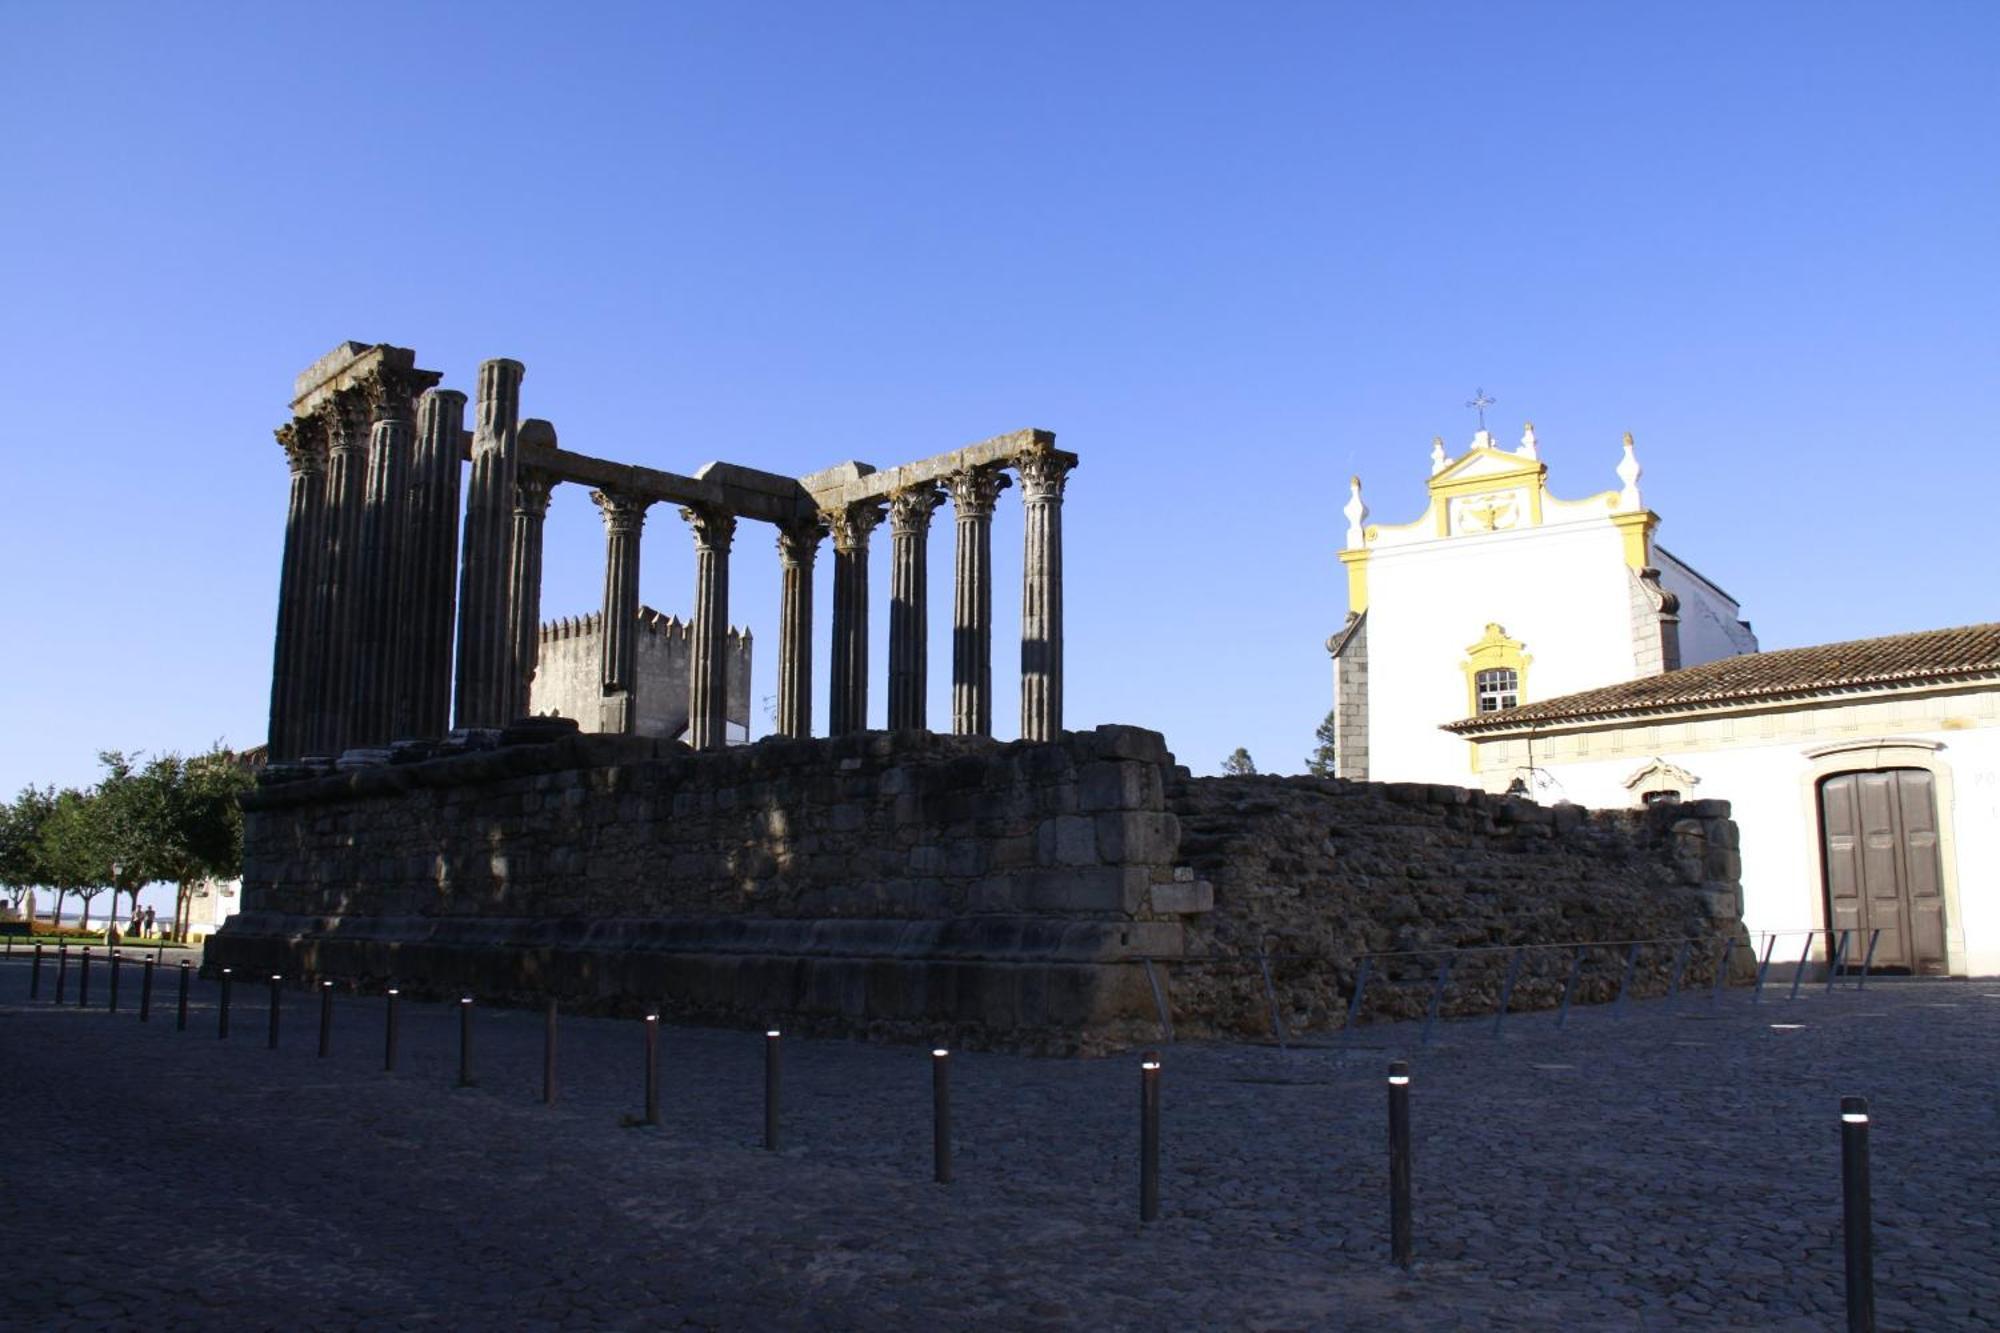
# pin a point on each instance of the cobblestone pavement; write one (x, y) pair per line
(1674, 1168)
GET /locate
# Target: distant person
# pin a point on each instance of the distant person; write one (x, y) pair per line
(149, 923)
(137, 922)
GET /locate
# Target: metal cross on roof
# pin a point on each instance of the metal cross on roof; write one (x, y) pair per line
(1479, 402)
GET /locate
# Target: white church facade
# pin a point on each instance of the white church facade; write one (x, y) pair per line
(1515, 641)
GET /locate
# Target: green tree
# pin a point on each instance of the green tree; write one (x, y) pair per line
(188, 825)
(21, 867)
(74, 850)
(1320, 762)
(121, 811)
(1239, 764)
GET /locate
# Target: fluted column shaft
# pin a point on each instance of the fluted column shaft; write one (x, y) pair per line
(708, 684)
(430, 567)
(378, 616)
(346, 424)
(1042, 479)
(531, 507)
(624, 517)
(973, 494)
(847, 701)
(296, 645)
(909, 591)
(485, 623)
(798, 546)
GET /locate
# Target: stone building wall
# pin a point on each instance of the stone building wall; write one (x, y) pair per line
(1317, 872)
(917, 884)
(569, 665)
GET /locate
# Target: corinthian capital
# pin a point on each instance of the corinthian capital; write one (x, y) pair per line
(852, 525)
(345, 418)
(798, 541)
(974, 491)
(304, 442)
(1044, 473)
(714, 529)
(531, 492)
(910, 509)
(391, 389)
(622, 513)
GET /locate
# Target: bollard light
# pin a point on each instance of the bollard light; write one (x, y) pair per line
(181, 1016)
(941, 1116)
(771, 1061)
(465, 1079)
(273, 1041)
(325, 1019)
(35, 976)
(111, 1007)
(1857, 1223)
(83, 980)
(146, 991)
(1399, 1163)
(1149, 1137)
(62, 969)
(389, 1035)
(652, 1069)
(549, 1056)
(222, 1014)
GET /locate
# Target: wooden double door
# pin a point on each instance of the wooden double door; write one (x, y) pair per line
(1879, 847)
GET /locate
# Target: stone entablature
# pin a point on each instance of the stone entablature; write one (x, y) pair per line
(374, 586)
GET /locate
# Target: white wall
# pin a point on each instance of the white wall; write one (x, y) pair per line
(1764, 767)
(1561, 590)
(1711, 622)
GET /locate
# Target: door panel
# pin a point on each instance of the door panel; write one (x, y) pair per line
(1879, 851)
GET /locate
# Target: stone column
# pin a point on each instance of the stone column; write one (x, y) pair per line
(379, 617)
(430, 567)
(531, 507)
(909, 590)
(624, 516)
(708, 681)
(485, 625)
(973, 493)
(296, 648)
(847, 702)
(345, 420)
(798, 547)
(1043, 474)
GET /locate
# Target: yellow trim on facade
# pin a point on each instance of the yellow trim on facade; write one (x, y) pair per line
(1493, 650)
(1637, 530)
(1357, 579)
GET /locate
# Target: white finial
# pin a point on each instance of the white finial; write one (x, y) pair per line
(1357, 514)
(1438, 461)
(1628, 473)
(1527, 449)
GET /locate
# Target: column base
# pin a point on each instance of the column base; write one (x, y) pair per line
(616, 715)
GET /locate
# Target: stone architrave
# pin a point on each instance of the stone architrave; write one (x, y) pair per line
(973, 494)
(847, 677)
(798, 547)
(708, 691)
(430, 570)
(1043, 476)
(485, 622)
(380, 622)
(531, 507)
(909, 589)
(624, 518)
(345, 421)
(297, 650)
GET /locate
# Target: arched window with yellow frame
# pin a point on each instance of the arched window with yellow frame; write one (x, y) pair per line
(1496, 672)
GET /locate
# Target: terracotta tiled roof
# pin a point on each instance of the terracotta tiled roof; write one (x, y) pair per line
(1933, 655)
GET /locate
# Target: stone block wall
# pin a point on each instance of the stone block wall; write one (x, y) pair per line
(934, 882)
(918, 885)
(1317, 872)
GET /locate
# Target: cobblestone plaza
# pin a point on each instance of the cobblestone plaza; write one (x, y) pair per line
(1677, 1167)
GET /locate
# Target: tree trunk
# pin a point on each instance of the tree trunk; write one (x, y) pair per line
(183, 910)
(57, 919)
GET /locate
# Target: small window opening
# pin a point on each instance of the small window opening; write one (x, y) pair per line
(1498, 688)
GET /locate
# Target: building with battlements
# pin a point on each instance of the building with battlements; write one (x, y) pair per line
(567, 673)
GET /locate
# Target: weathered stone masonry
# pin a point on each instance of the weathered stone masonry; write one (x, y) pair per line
(930, 885)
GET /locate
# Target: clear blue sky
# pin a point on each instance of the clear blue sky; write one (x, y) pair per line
(1229, 253)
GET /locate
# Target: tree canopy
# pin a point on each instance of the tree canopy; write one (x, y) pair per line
(1320, 762)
